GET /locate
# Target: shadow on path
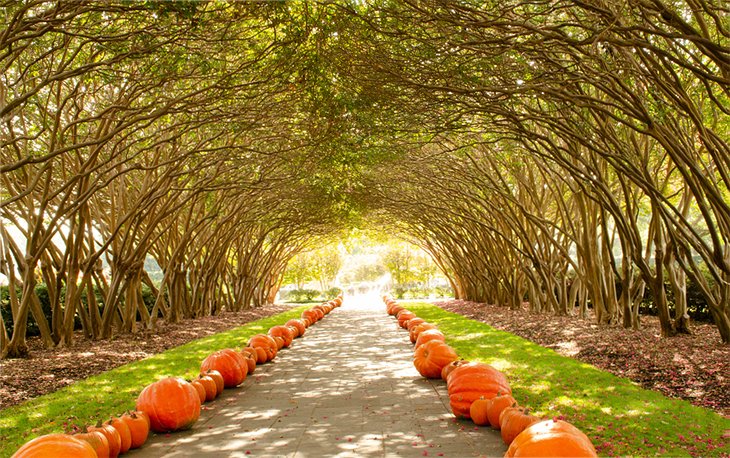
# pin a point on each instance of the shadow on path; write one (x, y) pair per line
(347, 388)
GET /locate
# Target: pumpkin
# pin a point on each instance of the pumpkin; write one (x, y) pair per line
(413, 322)
(220, 384)
(338, 301)
(210, 387)
(496, 405)
(172, 404)
(395, 310)
(471, 381)
(97, 440)
(124, 434)
(447, 369)
(403, 316)
(551, 438)
(513, 420)
(418, 329)
(298, 325)
(112, 436)
(431, 357)
(262, 355)
(231, 365)
(138, 423)
(266, 342)
(251, 357)
(63, 445)
(310, 315)
(428, 335)
(479, 411)
(199, 388)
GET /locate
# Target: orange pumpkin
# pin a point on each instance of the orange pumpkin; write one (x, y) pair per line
(431, 357)
(450, 367)
(231, 365)
(428, 335)
(403, 317)
(138, 423)
(211, 389)
(310, 315)
(266, 342)
(172, 404)
(413, 322)
(479, 410)
(299, 325)
(251, 357)
(471, 381)
(112, 436)
(63, 445)
(551, 438)
(124, 434)
(514, 420)
(418, 329)
(97, 440)
(496, 405)
(199, 388)
(220, 384)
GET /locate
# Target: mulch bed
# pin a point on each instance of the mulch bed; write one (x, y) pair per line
(47, 370)
(692, 367)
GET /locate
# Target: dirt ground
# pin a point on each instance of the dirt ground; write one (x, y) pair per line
(692, 367)
(47, 370)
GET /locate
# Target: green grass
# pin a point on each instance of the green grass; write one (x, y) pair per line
(620, 417)
(115, 391)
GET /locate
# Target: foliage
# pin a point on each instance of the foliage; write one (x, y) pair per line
(619, 417)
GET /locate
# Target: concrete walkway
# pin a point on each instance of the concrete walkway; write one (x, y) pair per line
(347, 388)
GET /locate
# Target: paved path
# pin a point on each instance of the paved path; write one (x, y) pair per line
(347, 388)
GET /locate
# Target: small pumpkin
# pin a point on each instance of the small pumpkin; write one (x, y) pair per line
(450, 367)
(284, 332)
(496, 405)
(513, 420)
(199, 388)
(298, 325)
(112, 436)
(479, 411)
(551, 438)
(63, 445)
(418, 329)
(403, 316)
(210, 387)
(138, 423)
(97, 440)
(266, 342)
(251, 357)
(413, 322)
(172, 404)
(220, 384)
(124, 434)
(431, 357)
(310, 315)
(231, 365)
(428, 335)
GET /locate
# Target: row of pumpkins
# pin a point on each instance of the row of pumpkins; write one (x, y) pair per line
(174, 404)
(481, 393)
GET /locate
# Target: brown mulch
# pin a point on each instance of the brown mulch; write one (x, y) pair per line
(691, 367)
(47, 370)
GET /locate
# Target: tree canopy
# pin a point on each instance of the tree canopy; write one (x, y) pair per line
(572, 153)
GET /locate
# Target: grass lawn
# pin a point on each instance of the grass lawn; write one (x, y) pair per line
(620, 417)
(115, 391)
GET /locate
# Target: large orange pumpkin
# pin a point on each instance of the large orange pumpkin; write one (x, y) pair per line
(551, 438)
(230, 363)
(471, 381)
(495, 407)
(514, 420)
(428, 335)
(172, 404)
(431, 357)
(55, 445)
(138, 423)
